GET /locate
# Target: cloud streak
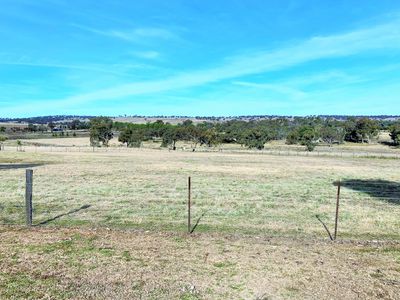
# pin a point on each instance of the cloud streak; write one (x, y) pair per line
(81, 67)
(278, 88)
(132, 35)
(380, 37)
(147, 54)
(117, 69)
(296, 87)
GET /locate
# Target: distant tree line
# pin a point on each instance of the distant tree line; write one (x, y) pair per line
(52, 126)
(59, 129)
(254, 134)
(66, 118)
(44, 119)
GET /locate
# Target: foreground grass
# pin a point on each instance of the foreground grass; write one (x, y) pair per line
(45, 263)
(251, 194)
(111, 225)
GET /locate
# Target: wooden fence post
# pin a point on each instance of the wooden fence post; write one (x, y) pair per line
(337, 210)
(28, 196)
(189, 204)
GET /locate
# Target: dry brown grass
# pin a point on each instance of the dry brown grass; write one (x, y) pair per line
(258, 237)
(378, 148)
(250, 193)
(104, 264)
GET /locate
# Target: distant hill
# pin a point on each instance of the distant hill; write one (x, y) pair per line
(45, 119)
(177, 119)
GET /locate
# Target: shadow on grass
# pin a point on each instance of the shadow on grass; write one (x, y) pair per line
(389, 143)
(63, 215)
(18, 166)
(326, 227)
(381, 189)
(197, 222)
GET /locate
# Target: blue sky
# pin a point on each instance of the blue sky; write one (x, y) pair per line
(199, 57)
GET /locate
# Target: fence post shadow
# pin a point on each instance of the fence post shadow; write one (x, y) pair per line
(197, 222)
(86, 206)
(326, 228)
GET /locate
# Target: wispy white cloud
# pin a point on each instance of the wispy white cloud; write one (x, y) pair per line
(296, 87)
(24, 60)
(147, 54)
(332, 76)
(153, 32)
(325, 82)
(380, 37)
(132, 35)
(278, 88)
(61, 66)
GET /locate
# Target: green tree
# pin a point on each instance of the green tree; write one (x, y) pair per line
(395, 133)
(132, 137)
(202, 135)
(331, 134)
(157, 129)
(172, 135)
(304, 135)
(75, 124)
(293, 137)
(361, 130)
(42, 128)
(100, 131)
(367, 129)
(2, 140)
(19, 145)
(51, 125)
(210, 138)
(255, 138)
(308, 137)
(32, 127)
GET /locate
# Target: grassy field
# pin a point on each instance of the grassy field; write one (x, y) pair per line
(45, 263)
(245, 192)
(379, 148)
(112, 225)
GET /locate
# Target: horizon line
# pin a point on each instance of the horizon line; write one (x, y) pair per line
(203, 117)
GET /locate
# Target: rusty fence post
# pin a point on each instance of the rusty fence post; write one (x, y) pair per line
(337, 210)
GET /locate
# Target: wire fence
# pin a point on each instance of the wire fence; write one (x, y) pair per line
(394, 154)
(229, 207)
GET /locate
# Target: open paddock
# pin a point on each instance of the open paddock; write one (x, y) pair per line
(112, 224)
(144, 188)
